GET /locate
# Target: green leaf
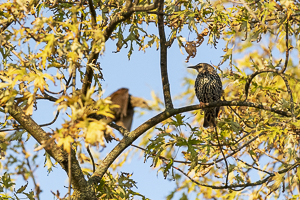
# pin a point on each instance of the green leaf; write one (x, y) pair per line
(22, 188)
(6, 181)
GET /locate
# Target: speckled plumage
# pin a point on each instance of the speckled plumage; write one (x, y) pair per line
(208, 88)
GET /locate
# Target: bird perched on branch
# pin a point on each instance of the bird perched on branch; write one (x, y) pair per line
(208, 88)
(127, 103)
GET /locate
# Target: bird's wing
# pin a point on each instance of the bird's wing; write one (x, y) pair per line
(121, 98)
(126, 121)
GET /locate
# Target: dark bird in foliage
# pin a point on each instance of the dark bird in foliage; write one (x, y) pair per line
(124, 113)
(127, 103)
(208, 88)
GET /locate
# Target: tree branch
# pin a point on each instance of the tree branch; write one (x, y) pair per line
(163, 57)
(93, 13)
(260, 182)
(290, 93)
(78, 181)
(93, 56)
(129, 9)
(9, 21)
(287, 46)
(132, 136)
(251, 77)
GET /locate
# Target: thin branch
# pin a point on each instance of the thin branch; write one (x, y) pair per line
(36, 186)
(53, 92)
(91, 156)
(224, 158)
(290, 93)
(236, 150)
(20, 127)
(287, 46)
(93, 13)
(9, 21)
(92, 60)
(121, 129)
(278, 160)
(48, 124)
(254, 167)
(70, 172)
(260, 182)
(8, 45)
(250, 78)
(163, 57)
(49, 97)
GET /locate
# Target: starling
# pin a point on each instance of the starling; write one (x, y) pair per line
(208, 88)
(127, 103)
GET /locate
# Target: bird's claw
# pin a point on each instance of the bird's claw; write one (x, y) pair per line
(202, 104)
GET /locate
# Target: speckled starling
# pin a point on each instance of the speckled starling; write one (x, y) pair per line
(208, 88)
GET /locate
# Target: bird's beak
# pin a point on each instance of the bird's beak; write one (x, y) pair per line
(192, 67)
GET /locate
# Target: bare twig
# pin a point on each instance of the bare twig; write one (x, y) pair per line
(69, 173)
(9, 21)
(224, 158)
(290, 93)
(251, 11)
(287, 46)
(260, 182)
(247, 85)
(91, 156)
(42, 125)
(92, 60)
(121, 129)
(278, 160)
(254, 167)
(36, 185)
(49, 97)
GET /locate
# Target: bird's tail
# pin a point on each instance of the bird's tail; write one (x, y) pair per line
(210, 116)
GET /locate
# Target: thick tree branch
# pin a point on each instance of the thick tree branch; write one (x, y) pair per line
(163, 57)
(78, 181)
(132, 136)
(93, 13)
(92, 60)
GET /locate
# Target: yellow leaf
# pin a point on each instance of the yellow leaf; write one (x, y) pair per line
(278, 178)
(48, 163)
(66, 142)
(95, 133)
(298, 173)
